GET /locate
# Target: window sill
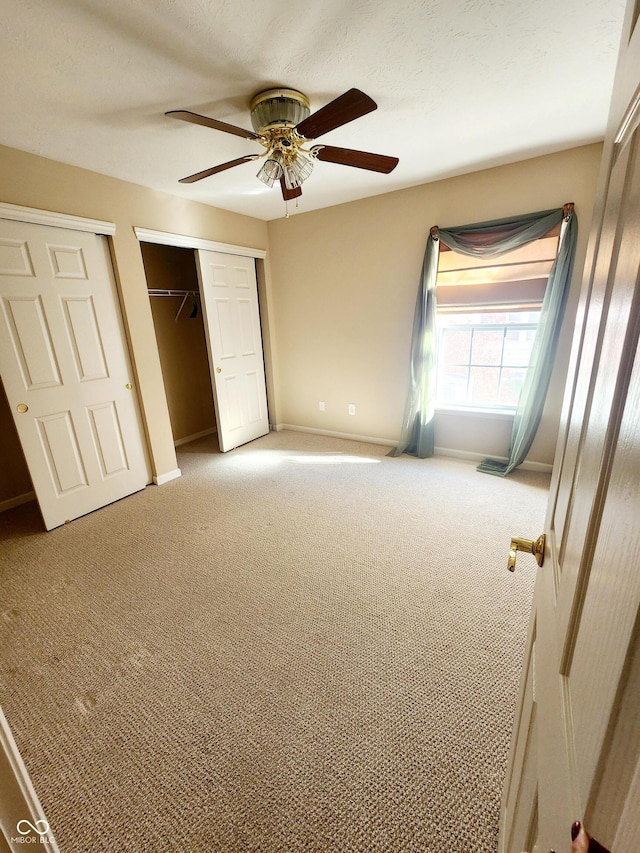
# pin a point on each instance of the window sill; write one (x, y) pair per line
(470, 411)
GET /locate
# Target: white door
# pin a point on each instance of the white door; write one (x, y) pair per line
(66, 372)
(234, 342)
(575, 752)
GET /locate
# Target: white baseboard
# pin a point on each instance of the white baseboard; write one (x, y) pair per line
(193, 437)
(438, 451)
(166, 478)
(369, 439)
(541, 467)
(17, 501)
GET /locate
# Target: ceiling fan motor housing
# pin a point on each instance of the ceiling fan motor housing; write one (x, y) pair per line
(278, 108)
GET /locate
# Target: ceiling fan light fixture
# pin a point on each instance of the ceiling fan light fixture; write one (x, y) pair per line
(297, 171)
(271, 169)
(284, 125)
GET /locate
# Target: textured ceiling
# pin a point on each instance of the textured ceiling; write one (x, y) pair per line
(460, 85)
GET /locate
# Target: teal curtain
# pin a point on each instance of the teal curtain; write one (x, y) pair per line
(488, 239)
(417, 435)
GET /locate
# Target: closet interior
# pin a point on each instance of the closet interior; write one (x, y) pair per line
(174, 294)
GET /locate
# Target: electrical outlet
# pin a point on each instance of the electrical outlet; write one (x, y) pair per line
(352, 409)
(321, 406)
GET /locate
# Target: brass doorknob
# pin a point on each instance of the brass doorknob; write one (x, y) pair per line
(218, 370)
(22, 408)
(529, 546)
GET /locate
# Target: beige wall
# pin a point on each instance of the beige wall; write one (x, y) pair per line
(36, 182)
(337, 288)
(345, 283)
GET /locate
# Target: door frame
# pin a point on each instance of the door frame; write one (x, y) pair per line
(35, 216)
(183, 241)
(18, 798)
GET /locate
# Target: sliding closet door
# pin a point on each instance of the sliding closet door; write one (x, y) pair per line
(65, 367)
(234, 340)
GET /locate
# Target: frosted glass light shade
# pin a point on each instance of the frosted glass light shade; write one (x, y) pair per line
(296, 172)
(271, 170)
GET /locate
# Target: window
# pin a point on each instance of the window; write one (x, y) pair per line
(488, 312)
(483, 357)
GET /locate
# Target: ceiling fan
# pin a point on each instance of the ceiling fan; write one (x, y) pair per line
(283, 125)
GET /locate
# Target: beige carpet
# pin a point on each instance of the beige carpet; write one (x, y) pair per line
(302, 645)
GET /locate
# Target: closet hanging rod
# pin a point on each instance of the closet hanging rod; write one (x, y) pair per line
(154, 291)
(158, 291)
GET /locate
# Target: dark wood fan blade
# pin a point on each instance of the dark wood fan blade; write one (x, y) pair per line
(359, 159)
(344, 109)
(288, 194)
(205, 121)
(215, 169)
